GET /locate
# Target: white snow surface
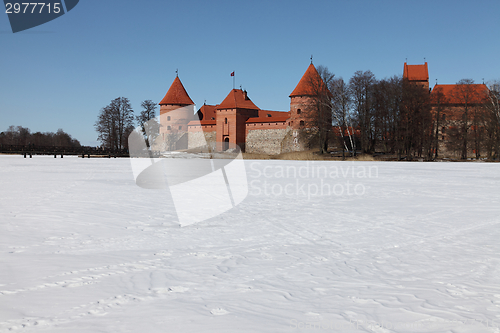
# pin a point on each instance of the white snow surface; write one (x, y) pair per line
(406, 247)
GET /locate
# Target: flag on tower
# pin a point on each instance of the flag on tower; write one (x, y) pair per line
(232, 74)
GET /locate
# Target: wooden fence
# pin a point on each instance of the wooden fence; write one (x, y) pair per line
(83, 151)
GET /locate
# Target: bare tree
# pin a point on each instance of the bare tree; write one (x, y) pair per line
(463, 92)
(361, 86)
(115, 123)
(415, 121)
(492, 105)
(394, 101)
(341, 104)
(439, 101)
(147, 122)
(106, 127)
(387, 96)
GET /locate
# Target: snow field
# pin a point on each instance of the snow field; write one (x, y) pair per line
(83, 249)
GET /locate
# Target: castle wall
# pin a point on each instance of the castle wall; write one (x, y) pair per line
(298, 140)
(201, 138)
(250, 126)
(266, 141)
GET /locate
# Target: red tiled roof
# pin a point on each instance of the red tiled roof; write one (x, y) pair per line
(453, 93)
(237, 98)
(416, 72)
(176, 94)
(305, 87)
(208, 112)
(270, 117)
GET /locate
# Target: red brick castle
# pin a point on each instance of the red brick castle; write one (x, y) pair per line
(236, 120)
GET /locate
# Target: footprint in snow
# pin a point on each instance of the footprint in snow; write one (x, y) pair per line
(219, 312)
(178, 289)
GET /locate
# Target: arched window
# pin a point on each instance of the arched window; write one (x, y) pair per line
(169, 128)
(168, 117)
(302, 123)
(299, 111)
(180, 127)
(225, 120)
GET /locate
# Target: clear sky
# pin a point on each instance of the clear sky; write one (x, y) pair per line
(60, 74)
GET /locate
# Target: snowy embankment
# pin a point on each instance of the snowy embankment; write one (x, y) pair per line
(315, 247)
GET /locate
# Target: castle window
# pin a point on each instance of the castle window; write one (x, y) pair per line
(444, 117)
(180, 127)
(169, 128)
(299, 111)
(268, 115)
(225, 120)
(213, 118)
(302, 123)
(168, 117)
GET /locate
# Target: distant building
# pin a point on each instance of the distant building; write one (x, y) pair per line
(418, 74)
(450, 103)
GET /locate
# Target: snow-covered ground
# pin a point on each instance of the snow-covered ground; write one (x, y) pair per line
(315, 247)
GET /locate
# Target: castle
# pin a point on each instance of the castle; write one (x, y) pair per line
(237, 120)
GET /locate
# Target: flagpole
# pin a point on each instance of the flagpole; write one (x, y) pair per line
(233, 79)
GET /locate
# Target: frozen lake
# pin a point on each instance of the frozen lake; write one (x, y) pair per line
(314, 247)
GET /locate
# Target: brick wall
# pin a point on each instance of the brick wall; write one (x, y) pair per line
(302, 110)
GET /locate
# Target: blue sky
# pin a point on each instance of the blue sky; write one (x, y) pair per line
(60, 74)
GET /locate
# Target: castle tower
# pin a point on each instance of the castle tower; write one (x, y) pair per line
(231, 117)
(303, 99)
(176, 111)
(418, 74)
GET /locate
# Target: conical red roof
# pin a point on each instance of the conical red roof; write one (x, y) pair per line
(176, 94)
(237, 99)
(306, 86)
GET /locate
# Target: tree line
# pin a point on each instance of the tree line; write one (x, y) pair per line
(395, 116)
(390, 115)
(116, 121)
(18, 135)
